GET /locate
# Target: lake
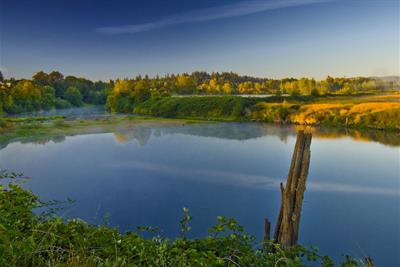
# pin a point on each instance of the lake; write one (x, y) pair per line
(145, 174)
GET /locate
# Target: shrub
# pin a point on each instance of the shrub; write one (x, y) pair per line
(62, 103)
(207, 107)
(5, 124)
(59, 123)
(73, 96)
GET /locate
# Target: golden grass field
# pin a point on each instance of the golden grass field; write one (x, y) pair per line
(376, 112)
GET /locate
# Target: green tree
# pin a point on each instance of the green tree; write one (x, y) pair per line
(6, 100)
(84, 86)
(41, 78)
(27, 96)
(62, 103)
(48, 97)
(54, 77)
(73, 95)
(141, 93)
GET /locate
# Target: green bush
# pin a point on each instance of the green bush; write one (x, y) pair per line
(31, 125)
(62, 103)
(226, 107)
(59, 123)
(73, 96)
(4, 124)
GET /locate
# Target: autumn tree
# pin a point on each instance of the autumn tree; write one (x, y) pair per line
(27, 96)
(184, 84)
(227, 88)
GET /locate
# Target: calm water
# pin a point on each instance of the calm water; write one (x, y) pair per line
(146, 174)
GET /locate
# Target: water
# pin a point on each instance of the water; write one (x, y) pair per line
(146, 174)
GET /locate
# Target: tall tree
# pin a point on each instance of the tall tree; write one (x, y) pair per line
(73, 96)
(41, 78)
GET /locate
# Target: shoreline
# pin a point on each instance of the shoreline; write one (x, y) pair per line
(57, 128)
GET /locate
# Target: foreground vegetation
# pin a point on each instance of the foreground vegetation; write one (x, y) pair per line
(32, 235)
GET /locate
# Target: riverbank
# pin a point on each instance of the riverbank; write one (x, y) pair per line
(54, 127)
(362, 112)
(366, 112)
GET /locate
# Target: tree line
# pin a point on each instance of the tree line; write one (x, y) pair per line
(53, 90)
(50, 90)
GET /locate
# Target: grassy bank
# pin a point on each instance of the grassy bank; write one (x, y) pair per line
(31, 239)
(56, 128)
(363, 112)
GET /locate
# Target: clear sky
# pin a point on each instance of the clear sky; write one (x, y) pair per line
(266, 38)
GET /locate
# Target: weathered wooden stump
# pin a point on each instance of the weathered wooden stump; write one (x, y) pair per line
(287, 225)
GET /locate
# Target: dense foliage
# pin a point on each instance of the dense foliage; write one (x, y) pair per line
(49, 90)
(231, 83)
(129, 92)
(29, 239)
(370, 114)
(228, 107)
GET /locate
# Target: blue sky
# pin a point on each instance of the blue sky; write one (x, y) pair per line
(265, 38)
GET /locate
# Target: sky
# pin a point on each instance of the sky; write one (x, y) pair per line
(264, 38)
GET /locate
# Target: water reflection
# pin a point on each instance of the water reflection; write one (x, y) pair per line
(141, 133)
(246, 131)
(144, 174)
(251, 181)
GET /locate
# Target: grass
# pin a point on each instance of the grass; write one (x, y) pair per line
(368, 115)
(360, 112)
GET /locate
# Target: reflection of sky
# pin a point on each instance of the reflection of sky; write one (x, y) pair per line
(247, 180)
(352, 190)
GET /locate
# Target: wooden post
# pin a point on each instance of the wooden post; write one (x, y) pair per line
(287, 226)
(267, 230)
